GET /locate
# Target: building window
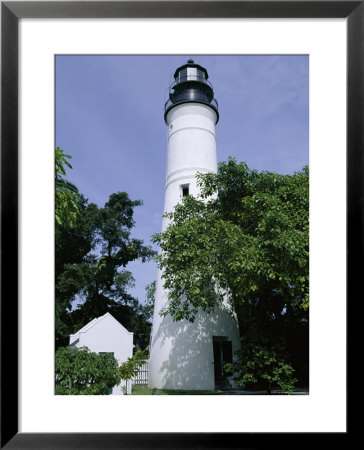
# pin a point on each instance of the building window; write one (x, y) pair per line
(185, 190)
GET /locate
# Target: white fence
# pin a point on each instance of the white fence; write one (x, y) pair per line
(142, 377)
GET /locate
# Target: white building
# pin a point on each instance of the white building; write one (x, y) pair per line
(106, 335)
(186, 355)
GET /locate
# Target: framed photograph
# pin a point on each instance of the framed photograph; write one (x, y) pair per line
(41, 41)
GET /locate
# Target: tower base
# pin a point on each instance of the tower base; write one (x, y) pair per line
(191, 356)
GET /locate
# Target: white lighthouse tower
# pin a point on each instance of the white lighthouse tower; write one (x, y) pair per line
(185, 355)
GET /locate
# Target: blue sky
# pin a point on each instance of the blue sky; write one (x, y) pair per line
(109, 118)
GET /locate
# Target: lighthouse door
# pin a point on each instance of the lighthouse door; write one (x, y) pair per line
(222, 354)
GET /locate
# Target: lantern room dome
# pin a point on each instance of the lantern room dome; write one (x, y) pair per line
(191, 85)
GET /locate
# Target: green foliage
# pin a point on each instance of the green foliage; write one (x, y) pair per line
(263, 363)
(91, 259)
(245, 240)
(81, 372)
(66, 194)
(60, 163)
(130, 368)
(252, 238)
(148, 307)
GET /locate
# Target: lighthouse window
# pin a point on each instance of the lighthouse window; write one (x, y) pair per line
(182, 74)
(185, 190)
(192, 73)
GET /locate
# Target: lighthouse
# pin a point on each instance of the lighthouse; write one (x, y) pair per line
(185, 355)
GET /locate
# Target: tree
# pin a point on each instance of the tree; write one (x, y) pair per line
(246, 241)
(68, 206)
(81, 372)
(102, 279)
(263, 364)
(142, 323)
(148, 306)
(92, 253)
(66, 194)
(130, 368)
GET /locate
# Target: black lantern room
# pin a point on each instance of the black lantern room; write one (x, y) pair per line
(191, 86)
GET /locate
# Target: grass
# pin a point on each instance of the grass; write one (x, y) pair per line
(144, 390)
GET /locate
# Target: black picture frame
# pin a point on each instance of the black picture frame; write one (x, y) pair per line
(11, 12)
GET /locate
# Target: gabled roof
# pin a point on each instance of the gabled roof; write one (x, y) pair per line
(76, 336)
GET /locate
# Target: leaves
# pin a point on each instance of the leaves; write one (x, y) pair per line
(263, 363)
(93, 248)
(66, 195)
(81, 372)
(131, 366)
(254, 232)
(245, 240)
